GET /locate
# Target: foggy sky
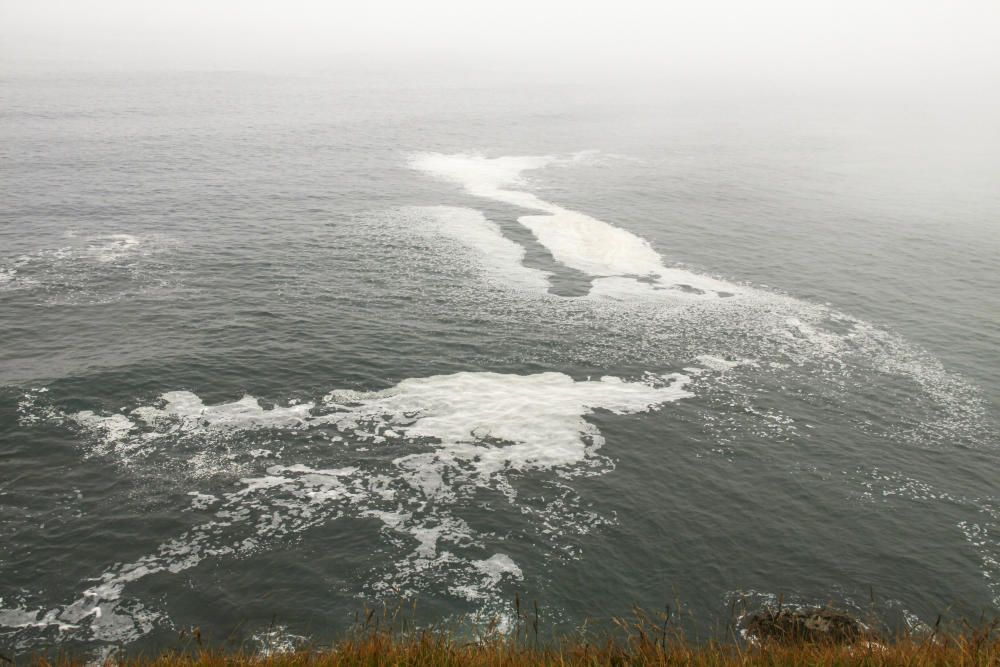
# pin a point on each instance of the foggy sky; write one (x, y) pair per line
(878, 41)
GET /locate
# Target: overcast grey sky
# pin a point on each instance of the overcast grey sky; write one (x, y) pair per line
(914, 41)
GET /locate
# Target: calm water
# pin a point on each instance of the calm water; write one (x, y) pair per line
(274, 348)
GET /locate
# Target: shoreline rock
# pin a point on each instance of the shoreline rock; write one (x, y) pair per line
(815, 625)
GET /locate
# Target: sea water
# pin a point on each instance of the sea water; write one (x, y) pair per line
(275, 348)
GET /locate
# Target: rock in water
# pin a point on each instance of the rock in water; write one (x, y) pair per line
(805, 625)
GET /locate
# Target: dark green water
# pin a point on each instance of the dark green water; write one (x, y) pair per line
(191, 264)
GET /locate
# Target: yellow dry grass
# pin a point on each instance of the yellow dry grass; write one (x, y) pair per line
(385, 639)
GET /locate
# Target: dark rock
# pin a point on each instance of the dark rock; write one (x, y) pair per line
(828, 626)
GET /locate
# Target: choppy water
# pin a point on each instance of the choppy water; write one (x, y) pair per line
(275, 348)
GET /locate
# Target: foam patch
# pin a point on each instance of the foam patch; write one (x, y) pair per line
(579, 241)
(457, 436)
(490, 254)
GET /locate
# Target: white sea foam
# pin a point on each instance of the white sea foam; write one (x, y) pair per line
(276, 640)
(113, 248)
(245, 413)
(496, 420)
(721, 365)
(464, 433)
(494, 569)
(109, 429)
(497, 565)
(486, 177)
(201, 501)
(12, 279)
(576, 240)
(538, 418)
(183, 415)
(78, 271)
(494, 255)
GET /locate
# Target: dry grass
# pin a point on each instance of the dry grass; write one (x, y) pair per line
(385, 639)
(432, 649)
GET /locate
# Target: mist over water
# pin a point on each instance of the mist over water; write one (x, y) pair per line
(278, 346)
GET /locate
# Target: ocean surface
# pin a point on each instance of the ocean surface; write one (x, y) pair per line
(277, 348)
